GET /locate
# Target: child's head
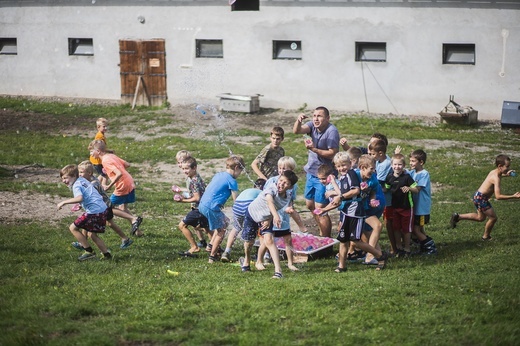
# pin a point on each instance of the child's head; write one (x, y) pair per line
(355, 154)
(259, 183)
(342, 162)
(286, 163)
(367, 166)
(503, 162)
(398, 163)
(189, 167)
(277, 136)
(377, 149)
(86, 169)
(286, 181)
(417, 159)
(69, 174)
(96, 147)
(102, 125)
(324, 171)
(181, 156)
(236, 164)
(379, 136)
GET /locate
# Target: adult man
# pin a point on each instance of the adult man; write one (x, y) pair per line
(322, 146)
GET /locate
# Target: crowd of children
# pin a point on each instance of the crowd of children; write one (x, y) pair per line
(364, 184)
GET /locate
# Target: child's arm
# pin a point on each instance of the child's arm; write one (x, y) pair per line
(270, 203)
(73, 200)
(118, 176)
(498, 193)
(234, 195)
(257, 170)
(412, 188)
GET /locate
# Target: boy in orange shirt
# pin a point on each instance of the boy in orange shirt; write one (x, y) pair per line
(102, 126)
(124, 192)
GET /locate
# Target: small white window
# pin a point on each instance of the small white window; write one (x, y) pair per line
(287, 50)
(371, 51)
(8, 46)
(209, 49)
(81, 46)
(458, 53)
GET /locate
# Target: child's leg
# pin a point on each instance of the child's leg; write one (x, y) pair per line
(232, 236)
(407, 236)
(342, 255)
(117, 229)
(99, 242)
(270, 244)
(260, 254)
(248, 245)
(492, 219)
(198, 232)
(368, 248)
(187, 234)
(296, 217)
(289, 252)
(79, 235)
(218, 235)
(373, 240)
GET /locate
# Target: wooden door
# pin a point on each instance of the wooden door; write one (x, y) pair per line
(143, 72)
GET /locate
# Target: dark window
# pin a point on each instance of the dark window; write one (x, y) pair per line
(458, 53)
(287, 50)
(8, 46)
(209, 49)
(245, 5)
(81, 46)
(371, 51)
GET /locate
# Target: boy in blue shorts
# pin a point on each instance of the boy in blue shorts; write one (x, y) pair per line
(222, 186)
(243, 201)
(262, 215)
(422, 201)
(124, 192)
(93, 220)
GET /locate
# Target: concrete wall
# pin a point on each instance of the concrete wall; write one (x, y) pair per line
(413, 80)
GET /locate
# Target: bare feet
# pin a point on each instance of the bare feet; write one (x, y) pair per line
(292, 267)
(259, 266)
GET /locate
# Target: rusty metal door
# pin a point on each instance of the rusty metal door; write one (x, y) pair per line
(143, 72)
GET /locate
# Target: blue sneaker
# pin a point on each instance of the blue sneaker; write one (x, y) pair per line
(126, 243)
(77, 245)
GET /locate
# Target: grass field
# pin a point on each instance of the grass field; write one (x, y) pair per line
(469, 294)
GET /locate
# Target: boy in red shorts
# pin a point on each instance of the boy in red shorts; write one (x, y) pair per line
(93, 220)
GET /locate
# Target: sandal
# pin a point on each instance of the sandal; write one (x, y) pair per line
(487, 239)
(277, 275)
(382, 261)
(212, 259)
(340, 270)
(246, 269)
(187, 253)
(136, 224)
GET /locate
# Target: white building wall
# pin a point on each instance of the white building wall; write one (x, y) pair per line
(413, 80)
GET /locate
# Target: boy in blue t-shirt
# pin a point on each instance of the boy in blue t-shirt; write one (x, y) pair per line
(422, 201)
(93, 220)
(222, 186)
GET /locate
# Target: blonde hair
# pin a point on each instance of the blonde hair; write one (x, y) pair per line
(235, 161)
(98, 144)
(69, 171)
(288, 162)
(101, 121)
(399, 157)
(342, 157)
(366, 161)
(354, 152)
(87, 167)
(182, 155)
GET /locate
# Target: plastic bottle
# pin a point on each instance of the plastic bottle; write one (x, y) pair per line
(202, 111)
(512, 174)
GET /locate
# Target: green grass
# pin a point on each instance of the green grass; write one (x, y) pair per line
(469, 294)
